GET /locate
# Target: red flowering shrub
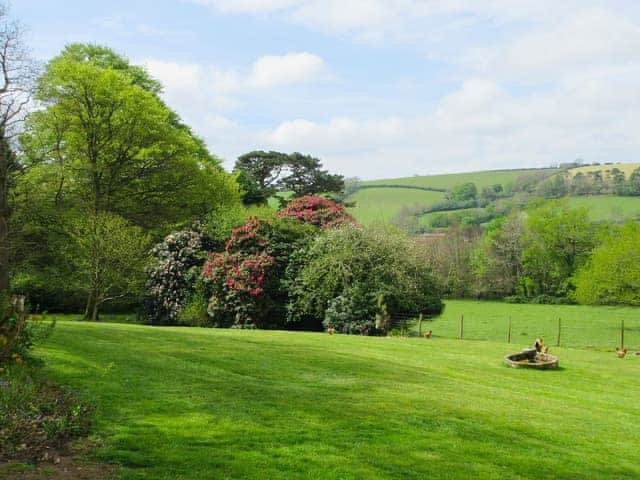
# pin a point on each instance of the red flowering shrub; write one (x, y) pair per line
(319, 211)
(238, 272)
(244, 282)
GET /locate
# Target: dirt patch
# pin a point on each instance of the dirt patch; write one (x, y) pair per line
(73, 464)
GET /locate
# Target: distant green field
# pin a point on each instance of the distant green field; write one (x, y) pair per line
(581, 326)
(481, 179)
(381, 205)
(627, 168)
(608, 207)
(193, 403)
(384, 203)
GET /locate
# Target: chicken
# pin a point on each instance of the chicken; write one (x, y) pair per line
(427, 334)
(621, 352)
(331, 330)
(546, 350)
(539, 345)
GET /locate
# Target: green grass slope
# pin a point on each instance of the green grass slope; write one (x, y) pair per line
(178, 403)
(381, 205)
(608, 207)
(481, 179)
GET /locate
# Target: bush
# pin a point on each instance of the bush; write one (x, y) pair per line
(245, 282)
(38, 415)
(318, 211)
(178, 260)
(17, 335)
(347, 270)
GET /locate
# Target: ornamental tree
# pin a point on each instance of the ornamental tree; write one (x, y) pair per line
(318, 211)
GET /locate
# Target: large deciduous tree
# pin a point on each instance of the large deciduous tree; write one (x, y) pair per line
(114, 146)
(105, 143)
(17, 73)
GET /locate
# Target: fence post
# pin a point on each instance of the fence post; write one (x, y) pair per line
(559, 331)
(509, 334)
(461, 327)
(622, 333)
(420, 325)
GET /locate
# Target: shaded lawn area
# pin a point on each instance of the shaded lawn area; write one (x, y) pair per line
(188, 403)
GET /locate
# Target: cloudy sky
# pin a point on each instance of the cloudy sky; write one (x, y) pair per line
(381, 88)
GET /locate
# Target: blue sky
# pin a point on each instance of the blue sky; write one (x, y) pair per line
(380, 88)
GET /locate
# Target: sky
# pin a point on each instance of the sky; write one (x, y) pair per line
(380, 88)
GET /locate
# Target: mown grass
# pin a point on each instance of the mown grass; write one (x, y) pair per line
(581, 326)
(381, 205)
(178, 403)
(608, 207)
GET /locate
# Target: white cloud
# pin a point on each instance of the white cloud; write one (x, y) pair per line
(479, 126)
(587, 40)
(275, 70)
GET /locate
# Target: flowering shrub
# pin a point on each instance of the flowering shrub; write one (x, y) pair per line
(178, 259)
(319, 211)
(245, 281)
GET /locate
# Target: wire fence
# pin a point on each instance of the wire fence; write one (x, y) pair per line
(571, 330)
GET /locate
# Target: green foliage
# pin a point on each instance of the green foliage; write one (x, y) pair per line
(498, 259)
(262, 174)
(348, 268)
(612, 275)
(38, 416)
(463, 192)
(106, 141)
(558, 241)
(109, 256)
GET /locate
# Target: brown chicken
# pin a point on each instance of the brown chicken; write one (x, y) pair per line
(621, 352)
(331, 330)
(427, 334)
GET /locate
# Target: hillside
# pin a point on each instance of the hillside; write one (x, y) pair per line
(383, 200)
(384, 203)
(448, 180)
(202, 403)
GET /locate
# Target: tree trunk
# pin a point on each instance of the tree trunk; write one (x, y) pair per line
(95, 315)
(6, 164)
(89, 306)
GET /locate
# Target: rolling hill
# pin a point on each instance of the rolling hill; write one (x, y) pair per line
(382, 200)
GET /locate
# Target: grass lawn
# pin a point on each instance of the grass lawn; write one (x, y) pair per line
(581, 326)
(188, 403)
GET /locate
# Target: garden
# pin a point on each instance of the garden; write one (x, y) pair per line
(164, 317)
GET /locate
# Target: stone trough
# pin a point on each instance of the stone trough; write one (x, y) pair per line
(530, 358)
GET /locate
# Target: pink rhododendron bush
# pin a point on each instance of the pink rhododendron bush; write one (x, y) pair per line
(318, 211)
(245, 282)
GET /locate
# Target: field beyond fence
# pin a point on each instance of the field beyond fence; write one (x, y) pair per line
(577, 325)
